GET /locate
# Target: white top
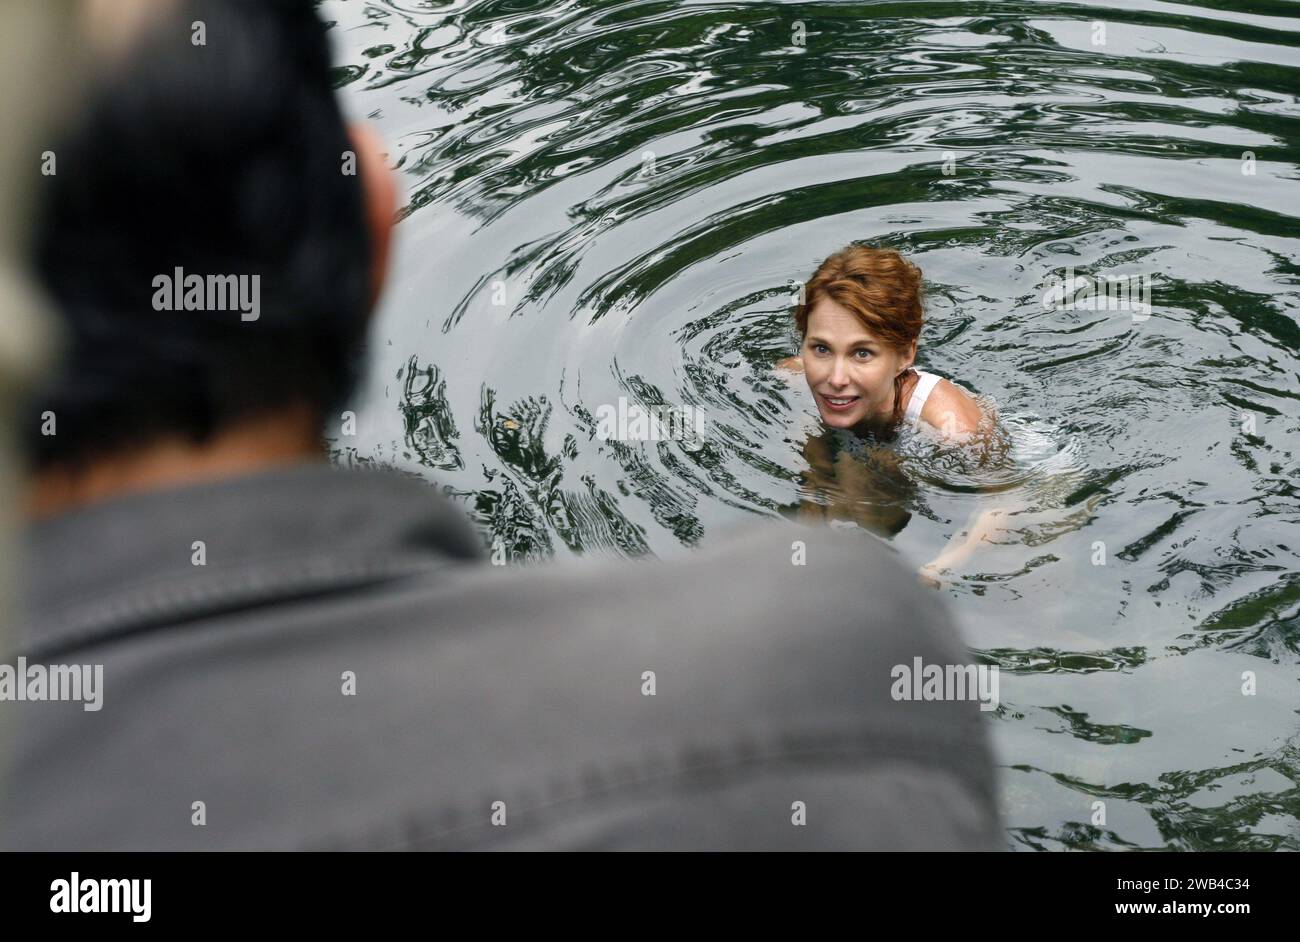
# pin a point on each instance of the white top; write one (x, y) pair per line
(920, 392)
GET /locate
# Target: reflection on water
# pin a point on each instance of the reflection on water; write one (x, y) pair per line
(611, 200)
(852, 480)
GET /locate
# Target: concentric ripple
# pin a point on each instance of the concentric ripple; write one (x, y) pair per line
(615, 200)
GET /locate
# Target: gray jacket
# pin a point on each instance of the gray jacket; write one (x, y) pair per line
(345, 670)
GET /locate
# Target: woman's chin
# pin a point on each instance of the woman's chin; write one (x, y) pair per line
(841, 419)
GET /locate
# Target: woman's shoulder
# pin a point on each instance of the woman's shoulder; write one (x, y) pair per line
(951, 408)
(793, 364)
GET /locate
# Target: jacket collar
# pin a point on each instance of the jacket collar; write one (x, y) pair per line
(169, 556)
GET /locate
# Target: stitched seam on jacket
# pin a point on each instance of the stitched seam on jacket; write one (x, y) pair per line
(158, 607)
(951, 751)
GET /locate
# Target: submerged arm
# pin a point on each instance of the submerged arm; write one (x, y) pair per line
(984, 526)
(950, 408)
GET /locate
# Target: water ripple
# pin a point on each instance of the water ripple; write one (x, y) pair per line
(611, 202)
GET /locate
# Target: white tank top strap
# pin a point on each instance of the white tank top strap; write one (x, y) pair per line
(920, 392)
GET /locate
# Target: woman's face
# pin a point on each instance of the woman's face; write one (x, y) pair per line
(849, 371)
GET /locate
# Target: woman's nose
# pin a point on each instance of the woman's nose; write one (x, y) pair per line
(839, 375)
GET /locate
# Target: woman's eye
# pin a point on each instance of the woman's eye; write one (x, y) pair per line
(821, 348)
(862, 354)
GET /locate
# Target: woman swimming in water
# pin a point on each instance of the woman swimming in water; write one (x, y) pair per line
(859, 318)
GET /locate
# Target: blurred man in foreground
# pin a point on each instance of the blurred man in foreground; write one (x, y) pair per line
(278, 654)
(31, 101)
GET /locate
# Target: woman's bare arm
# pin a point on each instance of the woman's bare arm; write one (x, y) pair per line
(961, 419)
(984, 527)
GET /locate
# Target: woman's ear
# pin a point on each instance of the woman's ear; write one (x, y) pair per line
(379, 193)
(909, 357)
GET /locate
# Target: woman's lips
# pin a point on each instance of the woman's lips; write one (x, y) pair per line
(843, 405)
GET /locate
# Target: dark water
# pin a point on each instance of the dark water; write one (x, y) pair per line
(611, 199)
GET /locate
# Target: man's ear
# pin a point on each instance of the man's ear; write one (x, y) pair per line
(379, 192)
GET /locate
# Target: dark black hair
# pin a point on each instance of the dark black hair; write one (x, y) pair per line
(222, 158)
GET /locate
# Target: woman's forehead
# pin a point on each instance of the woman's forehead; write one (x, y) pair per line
(828, 317)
